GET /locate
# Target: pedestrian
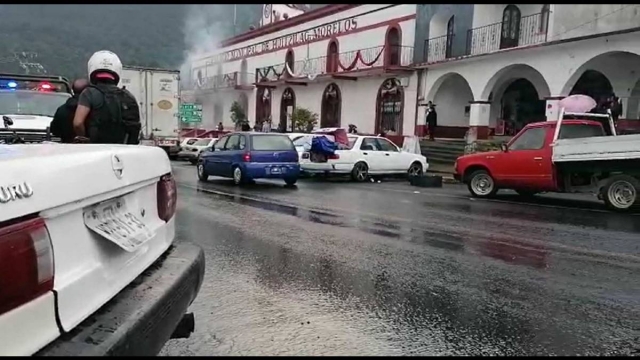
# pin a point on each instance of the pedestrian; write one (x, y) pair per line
(246, 127)
(220, 126)
(616, 108)
(432, 120)
(106, 114)
(266, 125)
(62, 123)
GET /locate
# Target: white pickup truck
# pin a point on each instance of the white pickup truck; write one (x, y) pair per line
(88, 264)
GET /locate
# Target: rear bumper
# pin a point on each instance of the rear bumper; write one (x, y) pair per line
(187, 155)
(263, 171)
(142, 317)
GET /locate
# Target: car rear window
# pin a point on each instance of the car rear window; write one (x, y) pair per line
(352, 141)
(202, 142)
(576, 131)
(271, 143)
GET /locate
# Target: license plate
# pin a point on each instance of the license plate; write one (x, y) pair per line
(167, 142)
(117, 223)
(275, 170)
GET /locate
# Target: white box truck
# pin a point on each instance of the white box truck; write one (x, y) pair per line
(158, 95)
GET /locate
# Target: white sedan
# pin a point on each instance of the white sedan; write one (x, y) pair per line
(364, 156)
(192, 151)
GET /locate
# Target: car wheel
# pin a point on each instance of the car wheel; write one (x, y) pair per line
(238, 176)
(620, 192)
(291, 181)
(202, 173)
(481, 184)
(360, 172)
(415, 169)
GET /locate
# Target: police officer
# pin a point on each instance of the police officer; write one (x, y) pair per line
(106, 113)
(62, 123)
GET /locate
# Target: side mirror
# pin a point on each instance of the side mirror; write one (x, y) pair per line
(504, 147)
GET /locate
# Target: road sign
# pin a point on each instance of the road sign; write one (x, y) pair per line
(191, 112)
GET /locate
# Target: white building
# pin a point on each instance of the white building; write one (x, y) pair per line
(487, 65)
(347, 63)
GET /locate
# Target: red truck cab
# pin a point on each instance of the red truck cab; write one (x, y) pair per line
(525, 163)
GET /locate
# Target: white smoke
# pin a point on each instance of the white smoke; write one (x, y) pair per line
(203, 32)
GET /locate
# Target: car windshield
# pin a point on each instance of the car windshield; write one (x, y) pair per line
(202, 142)
(271, 143)
(31, 102)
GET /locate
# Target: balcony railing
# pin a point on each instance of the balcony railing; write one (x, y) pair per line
(346, 62)
(435, 49)
(224, 81)
(488, 38)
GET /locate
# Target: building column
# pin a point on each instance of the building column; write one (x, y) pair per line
(553, 108)
(479, 115)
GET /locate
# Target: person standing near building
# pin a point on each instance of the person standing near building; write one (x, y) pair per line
(432, 120)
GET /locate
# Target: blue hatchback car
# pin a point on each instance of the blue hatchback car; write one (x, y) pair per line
(244, 156)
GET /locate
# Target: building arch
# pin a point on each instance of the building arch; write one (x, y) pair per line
(510, 30)
(621, 69)
(452, 96)
(287, 105)
(393, 45)
(331, 108)
(244, 76)
(390, 107)
(441, 35)
(263, 105)
(505, 76)
(333, 51)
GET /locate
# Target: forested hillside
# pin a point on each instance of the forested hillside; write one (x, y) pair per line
(64, 36)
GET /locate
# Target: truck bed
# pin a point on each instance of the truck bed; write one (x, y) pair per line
(597, 148)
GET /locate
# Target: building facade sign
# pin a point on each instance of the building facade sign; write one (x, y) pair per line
(290, 40)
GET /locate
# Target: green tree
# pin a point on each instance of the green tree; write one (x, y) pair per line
(238, 115)
(303, 119)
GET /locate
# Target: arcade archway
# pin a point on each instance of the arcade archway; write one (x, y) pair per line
(331, 108)
(389, 107)
(287, 104)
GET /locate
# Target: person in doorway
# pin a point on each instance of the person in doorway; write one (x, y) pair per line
(246, 127)
(106, 114)
(432, 120)
(220, 126)
(616, 108)
(62, 123)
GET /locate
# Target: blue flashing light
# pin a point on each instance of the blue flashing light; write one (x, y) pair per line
(12, 84)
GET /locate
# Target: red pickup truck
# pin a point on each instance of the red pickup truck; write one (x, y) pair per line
(579, 157)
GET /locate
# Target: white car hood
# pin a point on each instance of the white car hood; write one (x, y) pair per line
(30, 122)
(60, 174)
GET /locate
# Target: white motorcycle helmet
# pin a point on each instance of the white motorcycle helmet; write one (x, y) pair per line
(105, 61)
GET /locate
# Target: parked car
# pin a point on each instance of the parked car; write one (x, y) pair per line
(88, 264)
(571, 156)
(188, 141)
(363, 156)
(192, 152)
(296, 136)
(245, 156)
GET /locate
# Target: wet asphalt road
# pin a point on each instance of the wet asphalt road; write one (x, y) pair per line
(337, 268)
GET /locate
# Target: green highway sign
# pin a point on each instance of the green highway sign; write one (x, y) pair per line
(190, 113)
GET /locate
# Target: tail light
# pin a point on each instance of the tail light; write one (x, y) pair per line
(333, 157)
(167, 197)
(246, 157)
(26, 262)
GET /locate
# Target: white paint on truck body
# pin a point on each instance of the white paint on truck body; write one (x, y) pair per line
(157, 92)
(598, 148)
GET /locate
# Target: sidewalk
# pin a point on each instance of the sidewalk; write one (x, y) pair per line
(446, 171)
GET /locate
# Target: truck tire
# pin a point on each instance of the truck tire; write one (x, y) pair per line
(481, 184)
(620, 192)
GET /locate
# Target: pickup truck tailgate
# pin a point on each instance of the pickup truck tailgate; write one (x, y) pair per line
(68, 185)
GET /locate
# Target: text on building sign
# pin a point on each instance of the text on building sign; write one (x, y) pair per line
(317, 33)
